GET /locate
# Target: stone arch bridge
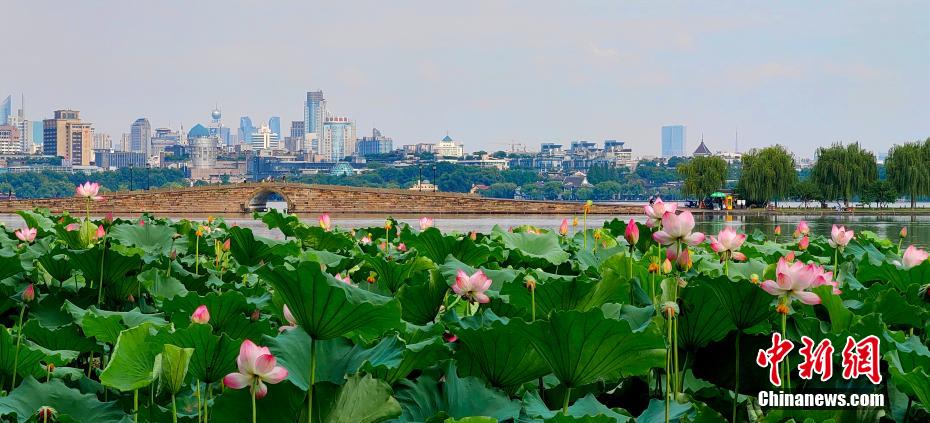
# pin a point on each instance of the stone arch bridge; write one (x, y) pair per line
(304, 198)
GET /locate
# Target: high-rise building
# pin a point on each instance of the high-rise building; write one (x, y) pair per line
(375, 144)
(56, 133)
(109, 159)
(9, 139)
(102, 141)
(275, 124)
(37, 137)
(81, 136)
(6, 110)
(245, 129)
(140, 137)
(314, 118)
(673, 141)
(338, 140)
(264, 139)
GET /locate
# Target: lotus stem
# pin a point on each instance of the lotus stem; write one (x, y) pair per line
(254, 411)
(675, 352)
(312, 381)
(568, 394)
(197, 257)
(630, 267)
(135, 405)
(206, 404)
(174, 409)
(103, 254)
(736, 382)
(584, 239)
(668, 373)
(533, 305)
(19, 340)
(787, 368)
(199, 403)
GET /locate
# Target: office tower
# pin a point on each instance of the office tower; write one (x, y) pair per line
(6, 110)
(314, 118)
(298, 129)
(338, 140)
(81, 137)
(102, 141)
(140, 137)
(109, 159)
(56, 139)
(274, 123)
(264, 139)
(9, 139)
(36, 147)
(245, 129)
(673, 141)
(375, 144)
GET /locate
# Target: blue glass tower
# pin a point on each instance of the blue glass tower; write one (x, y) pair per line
(673, 141)
(275, 124)
(245, 130)
(6, 110)
(314, 112)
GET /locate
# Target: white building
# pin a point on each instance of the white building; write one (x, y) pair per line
(264, 139)
(448, 148)
(338, 141)
(102, 141)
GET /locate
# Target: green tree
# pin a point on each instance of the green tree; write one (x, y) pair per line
(702, 176)
(807, 191)
(842, 172)
(607, 190)
(767, 174)
(880, 192)
(908, 169)
(584, 194)
(501, 190)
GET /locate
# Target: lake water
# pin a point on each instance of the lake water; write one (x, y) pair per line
(885, 225)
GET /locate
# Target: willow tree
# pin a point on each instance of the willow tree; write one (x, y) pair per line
(767, 174)
(842, 172)
(908, 169)
(702, 176)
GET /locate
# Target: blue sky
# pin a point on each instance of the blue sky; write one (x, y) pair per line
(799, 73)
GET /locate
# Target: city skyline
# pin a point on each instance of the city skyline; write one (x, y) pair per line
(798, 74)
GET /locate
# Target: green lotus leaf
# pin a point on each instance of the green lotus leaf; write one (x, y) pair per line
(703, 318)
(117, 268)
(327, 308)
(171, 367)
(66, 337)
(106, 325)
(229, 314)
(359, 400)
(29, 357)
(500, 353)
(283, 403)
(422, 296)
(26, 399)
(283, 222)
(419, 351)
(37, 220)
(132, 364)
(840, 317)
(746, 304)
(534, 407)
(156, 240)
(458, 397)
(252, 251)
(342, 357)
(584, 347)
(319, 239)
(393, 274)
(433, 244)
(160, 285)
(885, 271)
(214, 356)
(543, 246)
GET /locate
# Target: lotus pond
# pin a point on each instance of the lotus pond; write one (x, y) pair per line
(154, 320)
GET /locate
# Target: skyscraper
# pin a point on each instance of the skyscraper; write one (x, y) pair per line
(6, 110)
(56, 140)
(81, 136)
(338, 140)
(274, 123)
(140, 137)
(375, 144)
(314, 117)
(264, 139)
(673, 141)
(245, 130)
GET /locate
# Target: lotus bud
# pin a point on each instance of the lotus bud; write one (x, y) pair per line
(141, 222)
(804, 243)
(173, 255)
(667, 266)
(100, 232)
(778, 230)
(130, 298)
(790, 257)
(796, 233)
(372, 277)
(108, 219)
(29, 294)
(256, 314)
(227, 244)
(449, 337)
(201, 315)
(473, 235)
(575, 221)
(754, 278)
(903, 232)
(631, 233)
(563, 228)
(669, 309)
(530, 283)
(402, 247)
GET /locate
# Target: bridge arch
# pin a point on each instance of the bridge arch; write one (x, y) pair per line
(259, 199)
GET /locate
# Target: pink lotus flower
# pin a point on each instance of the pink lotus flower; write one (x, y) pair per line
(472, 287)
(656, 211)
(825, 278)
(227, 244)
(727, 242)
(804, 243)
(89, 190)
(667, 266)
(291, 321)
(563, 228)
(256, 367)
(840, 237)
(677, 228)
(325, 222)
(73, 227)
(29, 293)
(100, 232)
(793, 281)
(26, 234)
(790, 257)
(201, 315)
(402, 247)
(108, 219)
(366, 240)
(425, 223)
(802, 229)
(631, 233)
(913, 257)
(141, 222)
(346, 279)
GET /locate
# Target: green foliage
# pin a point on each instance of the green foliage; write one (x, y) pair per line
(702, 176)
(843, 172)
(767, 174)
(908, 169)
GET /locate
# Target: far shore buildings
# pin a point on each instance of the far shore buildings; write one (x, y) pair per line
(68, 137)
(674, 139)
